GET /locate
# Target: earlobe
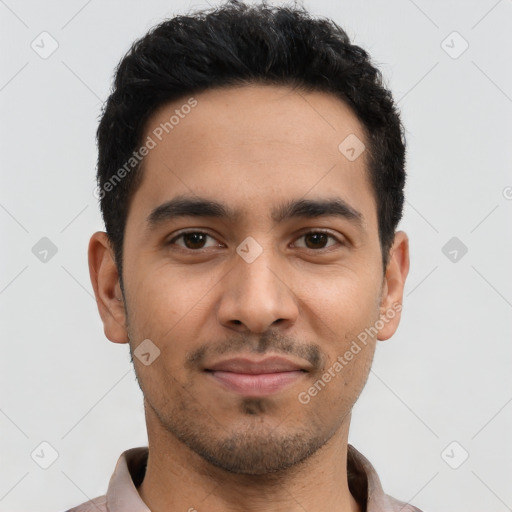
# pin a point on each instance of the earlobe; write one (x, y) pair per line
(393, 286)
(105, 281)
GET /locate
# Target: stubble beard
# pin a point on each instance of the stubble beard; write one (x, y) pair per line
(254, 447)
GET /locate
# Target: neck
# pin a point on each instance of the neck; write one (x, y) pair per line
(177, 478)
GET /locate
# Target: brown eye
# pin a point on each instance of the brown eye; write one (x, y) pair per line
(317, 239)
(193, 240)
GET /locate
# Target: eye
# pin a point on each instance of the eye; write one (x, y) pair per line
(193, 240)
(317, 239)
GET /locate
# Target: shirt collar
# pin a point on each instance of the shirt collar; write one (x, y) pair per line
(122, 494)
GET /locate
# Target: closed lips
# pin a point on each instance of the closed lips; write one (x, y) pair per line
(255, 367)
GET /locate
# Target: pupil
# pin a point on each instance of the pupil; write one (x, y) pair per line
(196, 238)
(317, 235)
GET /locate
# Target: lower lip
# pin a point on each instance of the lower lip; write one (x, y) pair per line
(256, 385)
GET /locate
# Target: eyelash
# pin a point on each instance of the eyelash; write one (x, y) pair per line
(318, 231)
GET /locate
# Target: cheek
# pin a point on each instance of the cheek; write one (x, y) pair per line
(345, 302)
(167, 296)
(344, 311)
(344, 376)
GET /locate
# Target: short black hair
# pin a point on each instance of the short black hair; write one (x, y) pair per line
(239, 44)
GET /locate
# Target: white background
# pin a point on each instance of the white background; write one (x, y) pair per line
(445, 376)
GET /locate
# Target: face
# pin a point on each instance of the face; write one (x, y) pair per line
(252, 268)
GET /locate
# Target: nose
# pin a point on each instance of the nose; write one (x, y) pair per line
(255, 296)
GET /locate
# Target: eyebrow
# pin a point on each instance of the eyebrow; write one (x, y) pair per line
(188, 206)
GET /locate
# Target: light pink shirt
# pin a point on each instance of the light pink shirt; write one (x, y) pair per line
(122, 495)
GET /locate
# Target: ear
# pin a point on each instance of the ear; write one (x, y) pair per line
(393, 286)
(105, 281)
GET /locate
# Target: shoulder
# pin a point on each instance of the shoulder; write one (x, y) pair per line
(98, 504)
(388, 503)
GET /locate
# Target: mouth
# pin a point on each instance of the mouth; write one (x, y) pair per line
(250, 377)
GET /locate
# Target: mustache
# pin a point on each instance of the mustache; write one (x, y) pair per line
(246, 343)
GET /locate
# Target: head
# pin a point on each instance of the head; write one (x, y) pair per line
(251, 174)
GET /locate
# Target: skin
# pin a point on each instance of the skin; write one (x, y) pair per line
(253, 148)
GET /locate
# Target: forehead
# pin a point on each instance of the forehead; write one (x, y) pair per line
(253, 147)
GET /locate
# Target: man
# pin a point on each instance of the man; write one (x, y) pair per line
(251, 174)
